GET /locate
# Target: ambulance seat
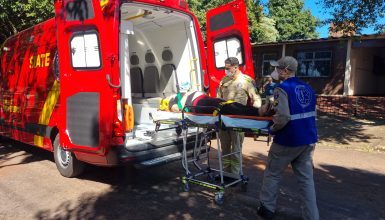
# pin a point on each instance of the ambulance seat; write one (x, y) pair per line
(168, 80)
(151, 77)
(136, 77)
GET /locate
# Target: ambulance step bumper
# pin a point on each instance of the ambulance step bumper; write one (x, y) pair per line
(160, 160)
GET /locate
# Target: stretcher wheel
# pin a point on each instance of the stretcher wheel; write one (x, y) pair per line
(211, 177)
(244, 186)
(178, 131)
(186, 187)
(219, 198)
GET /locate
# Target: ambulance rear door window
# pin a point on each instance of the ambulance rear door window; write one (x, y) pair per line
(85, 50)
(230, 47)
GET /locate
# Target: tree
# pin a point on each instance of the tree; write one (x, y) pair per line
(352, 15)
(265, 30)
(292, 21)
(261, 28)
(17, 15)
(258, 23)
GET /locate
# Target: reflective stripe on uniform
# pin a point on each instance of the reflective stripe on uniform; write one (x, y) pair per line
(303, 115)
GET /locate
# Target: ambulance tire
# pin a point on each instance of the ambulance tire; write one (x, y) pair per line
(66, 162)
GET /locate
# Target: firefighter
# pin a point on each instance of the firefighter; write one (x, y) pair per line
(238, 87)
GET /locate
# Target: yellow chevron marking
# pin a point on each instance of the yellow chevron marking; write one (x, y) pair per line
(48, 108)
(103, 3)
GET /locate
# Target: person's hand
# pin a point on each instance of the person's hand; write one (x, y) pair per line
(266, 110)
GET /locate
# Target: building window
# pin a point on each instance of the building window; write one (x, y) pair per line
(85, 51)
(223, 49)
(267, 69)
(314, 63)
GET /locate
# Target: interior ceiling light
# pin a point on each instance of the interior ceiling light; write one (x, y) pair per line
(148, 14)
(142, 14)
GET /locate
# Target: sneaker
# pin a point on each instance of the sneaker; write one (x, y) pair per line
(265, 213)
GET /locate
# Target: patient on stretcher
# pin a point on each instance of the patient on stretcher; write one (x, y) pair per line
(202, 103)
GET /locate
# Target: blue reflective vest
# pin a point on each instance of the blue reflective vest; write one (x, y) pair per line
(301, 129)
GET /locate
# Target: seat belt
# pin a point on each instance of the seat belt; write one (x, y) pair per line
(178, 94)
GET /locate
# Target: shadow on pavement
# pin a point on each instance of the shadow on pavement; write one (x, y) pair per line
(156, 194)
(26, 153)
(345, 130)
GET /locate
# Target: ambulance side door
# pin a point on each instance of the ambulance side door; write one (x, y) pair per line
(227, 36)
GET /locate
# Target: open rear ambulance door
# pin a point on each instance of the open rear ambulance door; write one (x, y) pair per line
(85, 68)
(227, 36)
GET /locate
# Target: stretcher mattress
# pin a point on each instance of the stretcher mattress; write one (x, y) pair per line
(235, 122)
(229, 121)
(165, 115)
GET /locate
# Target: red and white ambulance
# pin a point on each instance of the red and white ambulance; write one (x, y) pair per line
(84, 83)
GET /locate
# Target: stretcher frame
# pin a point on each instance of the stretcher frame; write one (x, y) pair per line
(203, 145)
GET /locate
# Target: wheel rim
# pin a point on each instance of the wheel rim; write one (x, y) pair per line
(63, 156)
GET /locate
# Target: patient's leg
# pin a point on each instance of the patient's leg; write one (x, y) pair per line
(207, 105)
(236, 108)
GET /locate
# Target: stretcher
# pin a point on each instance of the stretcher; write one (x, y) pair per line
(208, 126)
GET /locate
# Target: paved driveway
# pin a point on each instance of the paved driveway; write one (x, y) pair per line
(350, 185)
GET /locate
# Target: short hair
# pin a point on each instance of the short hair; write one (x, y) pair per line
(233, 61)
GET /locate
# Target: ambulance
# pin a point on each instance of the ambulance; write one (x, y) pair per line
(84, 84)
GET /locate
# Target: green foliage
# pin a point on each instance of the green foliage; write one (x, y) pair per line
(292, 21)
(265, 30)
(17, 15)
(354, 15)
(286, 20)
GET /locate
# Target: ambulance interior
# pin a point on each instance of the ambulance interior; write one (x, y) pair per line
(160, 53)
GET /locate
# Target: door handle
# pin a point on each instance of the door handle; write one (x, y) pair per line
(109, 82)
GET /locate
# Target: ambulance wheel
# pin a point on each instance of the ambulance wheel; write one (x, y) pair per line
(66, 162)
(211, 177)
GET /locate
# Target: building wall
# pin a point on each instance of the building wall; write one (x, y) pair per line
(331, 85)
(351, 106)
(364, 81)
(258, 52)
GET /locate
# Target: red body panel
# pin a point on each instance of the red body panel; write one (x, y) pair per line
(36, 96)
(30, 88)
(27, 77)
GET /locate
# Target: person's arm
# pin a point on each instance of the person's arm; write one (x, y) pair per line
(256, 98)
(282, 111)
(219, 90)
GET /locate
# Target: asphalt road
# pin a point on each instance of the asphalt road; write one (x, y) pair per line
(350, 185)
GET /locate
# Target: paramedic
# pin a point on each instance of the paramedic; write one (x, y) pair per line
(295, 131)
(238, 87)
